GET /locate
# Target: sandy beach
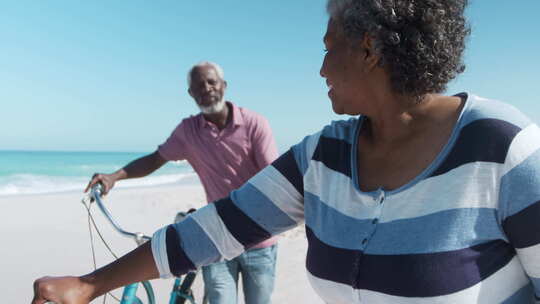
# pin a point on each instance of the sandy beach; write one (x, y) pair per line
(48, 235)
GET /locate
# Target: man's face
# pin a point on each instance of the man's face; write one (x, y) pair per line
(207, 88)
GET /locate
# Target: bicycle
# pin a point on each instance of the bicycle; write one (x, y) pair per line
(181, 291)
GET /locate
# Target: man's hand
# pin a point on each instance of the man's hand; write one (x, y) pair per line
(107, 180)
(138, 168)
(62, 290)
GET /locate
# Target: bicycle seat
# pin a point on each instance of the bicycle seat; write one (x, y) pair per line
(180, 216)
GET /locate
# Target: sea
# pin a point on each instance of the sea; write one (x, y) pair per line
(38, 172)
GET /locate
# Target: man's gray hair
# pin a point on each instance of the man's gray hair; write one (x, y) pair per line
(216, 67)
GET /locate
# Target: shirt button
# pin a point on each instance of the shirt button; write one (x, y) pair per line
(375, 221)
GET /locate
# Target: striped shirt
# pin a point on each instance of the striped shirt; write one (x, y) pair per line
(465, 230)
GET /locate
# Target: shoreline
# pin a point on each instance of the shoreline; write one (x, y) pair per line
(185, 179)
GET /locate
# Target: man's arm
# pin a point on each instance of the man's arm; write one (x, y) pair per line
(138, 168)
(136, 266)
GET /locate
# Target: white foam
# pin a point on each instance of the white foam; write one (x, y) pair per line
(23, 184)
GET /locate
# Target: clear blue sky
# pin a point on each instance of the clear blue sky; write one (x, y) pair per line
(110, 75)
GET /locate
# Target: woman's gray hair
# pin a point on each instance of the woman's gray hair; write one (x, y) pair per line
(420, 42)
(216, 67)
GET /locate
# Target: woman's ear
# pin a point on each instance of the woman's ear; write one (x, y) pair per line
(370, 56)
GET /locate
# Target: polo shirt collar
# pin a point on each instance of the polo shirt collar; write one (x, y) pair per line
(237, 118)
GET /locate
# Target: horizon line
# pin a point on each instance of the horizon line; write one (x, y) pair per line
(69, 151)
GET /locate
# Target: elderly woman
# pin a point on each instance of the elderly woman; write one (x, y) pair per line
(422, 198)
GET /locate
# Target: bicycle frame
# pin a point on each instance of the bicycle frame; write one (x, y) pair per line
(178, 295)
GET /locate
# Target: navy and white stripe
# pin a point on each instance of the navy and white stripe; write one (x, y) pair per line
(466, 230)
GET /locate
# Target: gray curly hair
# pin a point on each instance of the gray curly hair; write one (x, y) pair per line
(214, 65)
(420, 42)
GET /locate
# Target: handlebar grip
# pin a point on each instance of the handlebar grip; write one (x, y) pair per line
(97, 190)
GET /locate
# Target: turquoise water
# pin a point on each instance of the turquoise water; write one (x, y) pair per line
(32, 172)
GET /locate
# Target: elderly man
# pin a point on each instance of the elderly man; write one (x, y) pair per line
(226, 145)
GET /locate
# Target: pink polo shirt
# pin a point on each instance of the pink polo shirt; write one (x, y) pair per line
(223, 159)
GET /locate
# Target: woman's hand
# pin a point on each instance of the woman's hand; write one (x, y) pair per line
(136, 266)
(62, 290)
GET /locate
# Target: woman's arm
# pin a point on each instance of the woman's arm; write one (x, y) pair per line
(519, 201)
(136, 266)
(269, 203)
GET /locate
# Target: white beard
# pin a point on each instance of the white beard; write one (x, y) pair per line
(213, 109)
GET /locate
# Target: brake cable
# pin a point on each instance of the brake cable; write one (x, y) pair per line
(87, 202)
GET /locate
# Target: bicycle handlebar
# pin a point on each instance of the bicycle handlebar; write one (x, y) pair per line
(95, 195)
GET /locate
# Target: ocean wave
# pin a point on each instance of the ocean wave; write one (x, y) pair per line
(21, 184)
